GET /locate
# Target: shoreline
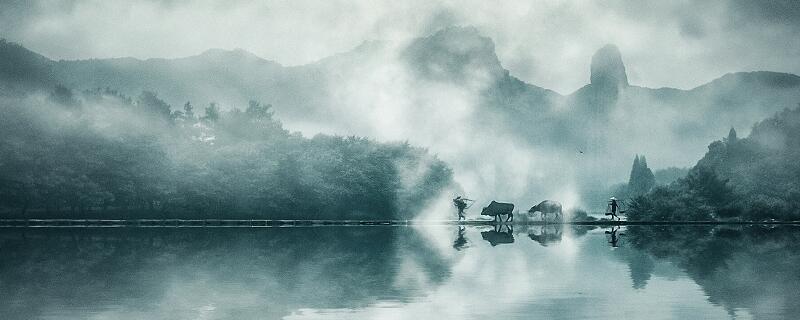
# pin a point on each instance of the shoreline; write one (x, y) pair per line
(247, 223)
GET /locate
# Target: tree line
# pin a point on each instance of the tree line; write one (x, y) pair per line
(753, 178)
(99, 153)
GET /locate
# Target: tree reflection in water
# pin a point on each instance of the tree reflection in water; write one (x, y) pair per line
(753, 267)
(257, 273)
(250, 273)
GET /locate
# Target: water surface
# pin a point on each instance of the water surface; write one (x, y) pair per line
(409, 272)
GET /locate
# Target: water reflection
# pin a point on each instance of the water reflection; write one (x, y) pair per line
(613, 236)
(185, 273)
(546, 234)
(461, 241)
(401, 272)
(502, 234)
(752, 268)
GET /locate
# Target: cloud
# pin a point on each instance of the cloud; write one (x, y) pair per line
(548, 43)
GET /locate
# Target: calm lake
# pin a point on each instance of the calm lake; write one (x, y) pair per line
(408, 272)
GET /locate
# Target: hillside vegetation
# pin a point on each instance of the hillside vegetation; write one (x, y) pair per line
(102, 154)
(754, 178)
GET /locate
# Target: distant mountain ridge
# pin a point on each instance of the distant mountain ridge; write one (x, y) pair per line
(609, 120)
(448, 55)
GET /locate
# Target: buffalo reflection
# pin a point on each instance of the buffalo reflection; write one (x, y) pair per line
(498, 236)
(546, 234)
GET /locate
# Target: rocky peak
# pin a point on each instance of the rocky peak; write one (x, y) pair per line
(607, 68)
(454, 53)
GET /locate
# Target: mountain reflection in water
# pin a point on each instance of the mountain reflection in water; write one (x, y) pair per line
(552, 271)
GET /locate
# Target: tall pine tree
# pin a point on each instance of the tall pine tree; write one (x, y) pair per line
(731, 136)
(642, 178)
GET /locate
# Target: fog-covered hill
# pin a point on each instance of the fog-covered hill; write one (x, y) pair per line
(103, 154)
(449, 92)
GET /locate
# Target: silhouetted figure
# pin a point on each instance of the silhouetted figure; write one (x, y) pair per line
(498, 236)
(545, 207)
(496, 209)
(613, 208)
(614, 239)
(461, 205)
(461, 240)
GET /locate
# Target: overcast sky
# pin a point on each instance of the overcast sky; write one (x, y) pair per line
(548, 43)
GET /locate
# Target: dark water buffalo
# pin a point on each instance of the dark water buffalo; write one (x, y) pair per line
(498, 235)
(495, 209)
(547, 206)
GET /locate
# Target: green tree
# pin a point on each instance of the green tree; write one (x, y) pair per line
(150, 103)
(731, 139)
(258, 111)
(641, 179)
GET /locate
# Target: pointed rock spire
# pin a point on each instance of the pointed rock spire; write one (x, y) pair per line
(607, 68)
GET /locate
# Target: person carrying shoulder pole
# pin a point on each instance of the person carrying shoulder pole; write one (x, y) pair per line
(613, 206)
(461, 205)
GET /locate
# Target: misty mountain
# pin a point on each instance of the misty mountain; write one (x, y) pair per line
(21, 69)
(453, 55)
(450, 85)
(669, 175)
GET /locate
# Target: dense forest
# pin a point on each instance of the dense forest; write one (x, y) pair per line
(753, 178)
(640, 181)
(99, 153)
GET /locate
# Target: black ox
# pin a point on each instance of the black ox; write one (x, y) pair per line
(496, 209)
